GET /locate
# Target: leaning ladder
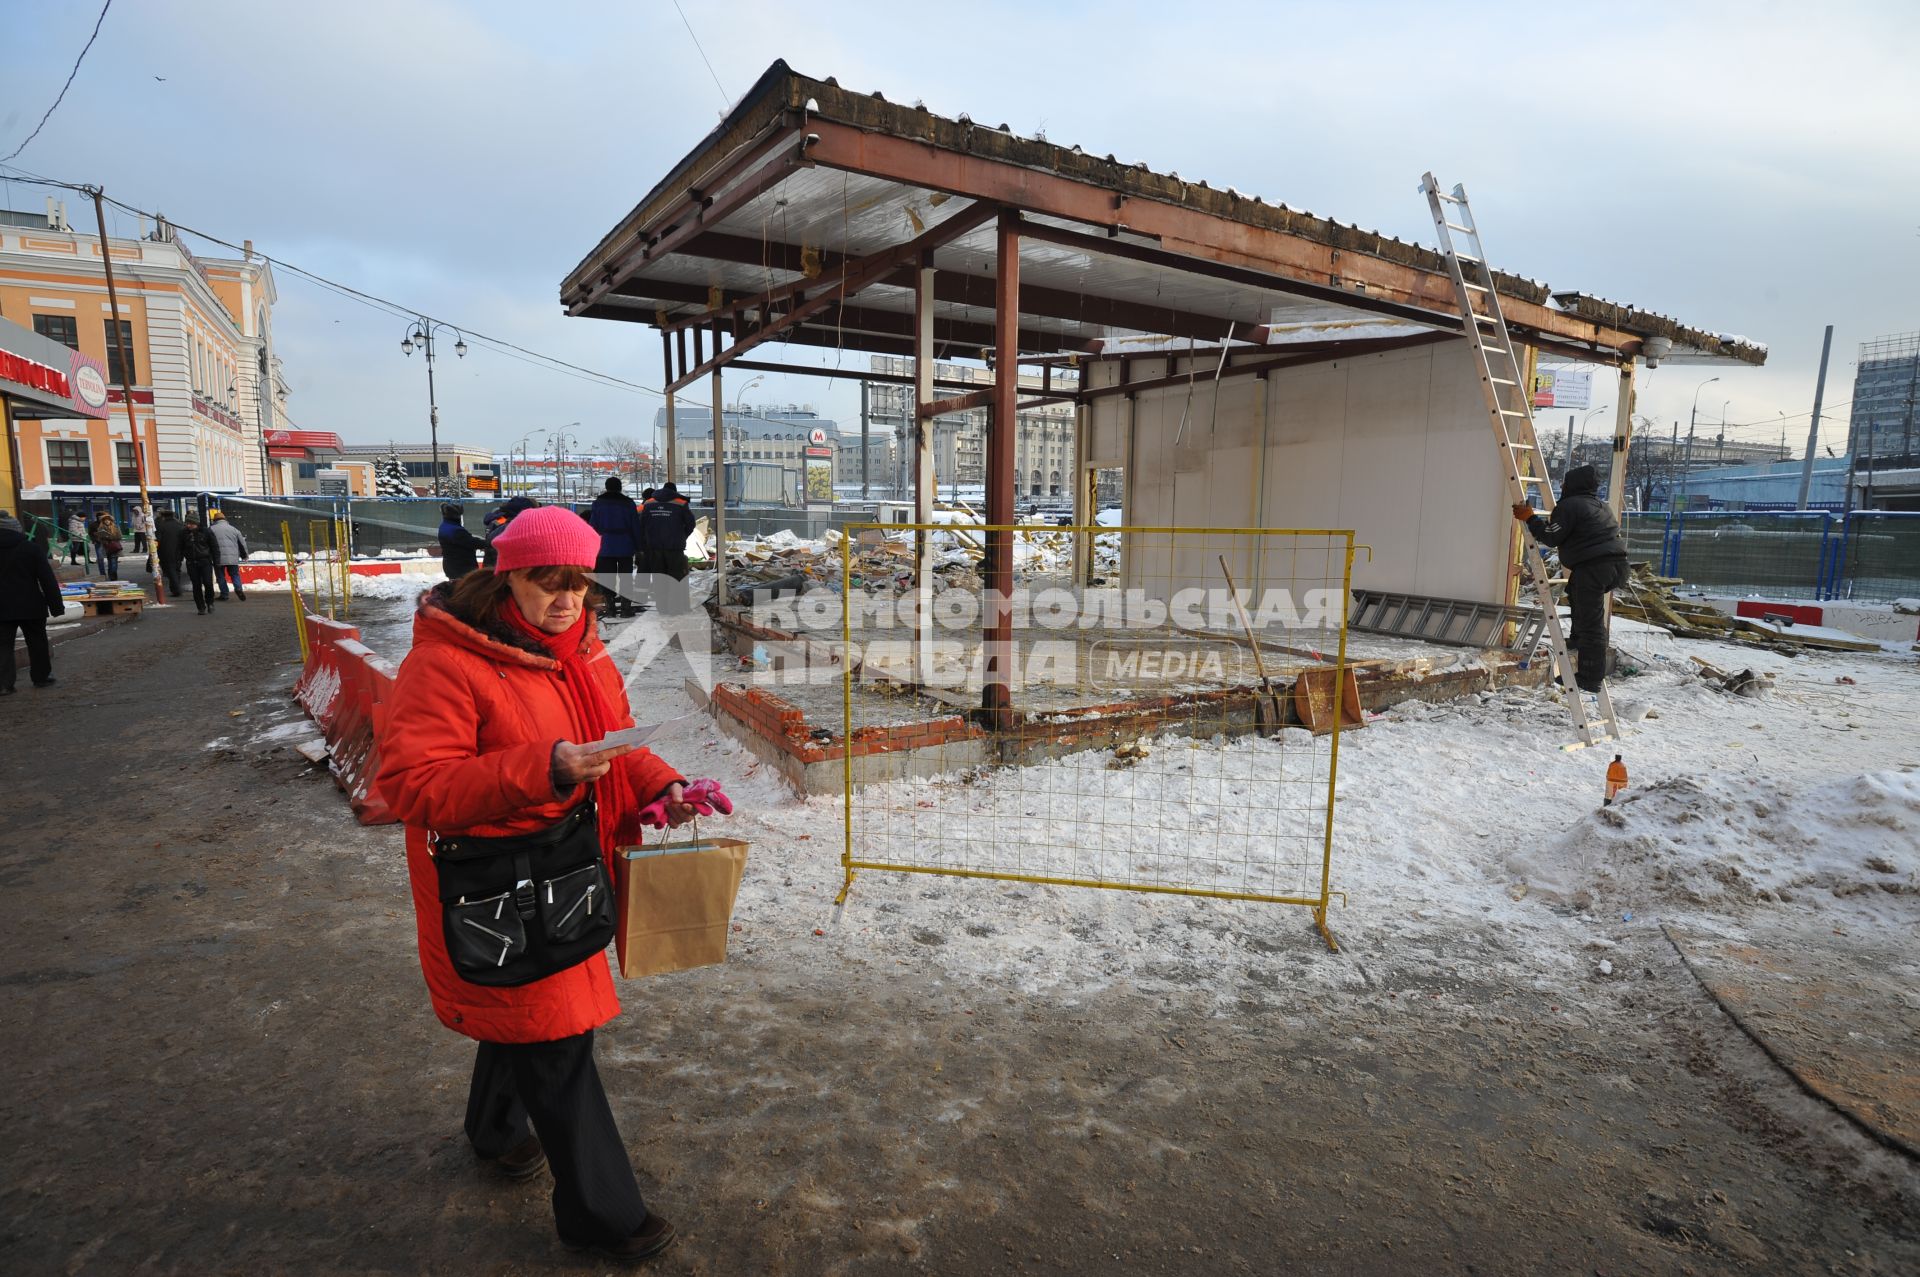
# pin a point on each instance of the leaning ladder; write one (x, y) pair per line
(1510, 405)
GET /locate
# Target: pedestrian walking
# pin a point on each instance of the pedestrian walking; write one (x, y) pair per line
(199, 549)
(77, 534)
(1595, 555)
(142, 526)
(231, 552)
(29, 594)
(511, 819)
(107, 545)
(459, 548)
(170, 538)
(617, 519)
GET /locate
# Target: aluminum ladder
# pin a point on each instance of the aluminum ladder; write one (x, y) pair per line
(1510, 406)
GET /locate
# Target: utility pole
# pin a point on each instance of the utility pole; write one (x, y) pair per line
(1686, 467)
(1569, 466)
(126, 388)
(1673, 450)
(1813, 430)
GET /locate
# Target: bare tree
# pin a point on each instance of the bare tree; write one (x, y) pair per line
(629, 455)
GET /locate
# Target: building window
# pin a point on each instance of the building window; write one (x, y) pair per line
(307, 469)
(422, 469)
(68, 462)
(113, 354)
(125, 463)
(61, 328)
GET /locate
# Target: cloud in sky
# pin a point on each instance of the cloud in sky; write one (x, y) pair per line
(1751, 168)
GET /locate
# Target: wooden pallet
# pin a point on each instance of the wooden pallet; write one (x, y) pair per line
(123, 605)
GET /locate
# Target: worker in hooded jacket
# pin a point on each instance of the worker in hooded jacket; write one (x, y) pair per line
(1594, 553)
(487, 743)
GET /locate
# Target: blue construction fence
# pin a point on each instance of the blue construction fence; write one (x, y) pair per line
(1867, 555)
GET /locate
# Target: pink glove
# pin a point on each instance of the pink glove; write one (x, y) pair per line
(704, 796)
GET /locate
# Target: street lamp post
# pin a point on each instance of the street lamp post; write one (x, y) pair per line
(1686, 471)
(421, 334)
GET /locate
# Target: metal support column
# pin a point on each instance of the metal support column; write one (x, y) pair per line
(1085, 506)
(719, 479)
(923, 476)
(996, 693)
(666, 355)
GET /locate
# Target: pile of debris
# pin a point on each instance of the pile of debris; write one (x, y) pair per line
(784, 564)
(1653, 599)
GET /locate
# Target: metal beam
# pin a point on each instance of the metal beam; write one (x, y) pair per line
(869, 269)
(1349, 350)
(996, 692)
(1277, 259)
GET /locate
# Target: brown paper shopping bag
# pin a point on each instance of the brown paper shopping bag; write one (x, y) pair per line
(676, 904)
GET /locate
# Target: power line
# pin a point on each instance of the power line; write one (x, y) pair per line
(726, 98)
(69, 84)
(499, 345)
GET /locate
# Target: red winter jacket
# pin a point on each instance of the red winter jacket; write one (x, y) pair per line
(468, 735)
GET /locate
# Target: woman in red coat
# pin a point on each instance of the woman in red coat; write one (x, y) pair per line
(482, 759)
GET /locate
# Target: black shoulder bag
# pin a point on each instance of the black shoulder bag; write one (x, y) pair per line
(518, 909)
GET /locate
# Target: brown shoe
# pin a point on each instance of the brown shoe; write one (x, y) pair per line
(523, 1160)
(654, 1236)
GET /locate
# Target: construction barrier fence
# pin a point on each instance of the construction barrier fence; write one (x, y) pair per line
(1865, 555)
(344, 687)
(1175, 699)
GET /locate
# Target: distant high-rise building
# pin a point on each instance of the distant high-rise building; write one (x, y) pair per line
(1886, 388)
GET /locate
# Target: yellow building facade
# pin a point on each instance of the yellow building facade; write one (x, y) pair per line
(206, 386)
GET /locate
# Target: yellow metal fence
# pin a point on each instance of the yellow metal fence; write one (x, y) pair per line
(1155, 741)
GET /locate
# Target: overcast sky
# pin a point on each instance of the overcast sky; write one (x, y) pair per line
(1750, 168)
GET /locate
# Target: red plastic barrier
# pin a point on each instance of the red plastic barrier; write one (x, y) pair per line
(1800, 613)
(320, 683)
(354, 736)
(343, 688)
(277, 572)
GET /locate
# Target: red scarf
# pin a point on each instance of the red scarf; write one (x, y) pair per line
(594, 716)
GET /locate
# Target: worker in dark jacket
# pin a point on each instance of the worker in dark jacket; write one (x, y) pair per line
(666, 522)
(29, 594)
(1593, 552)
(459, 548)
(170, 535)
(615, 517)
(497, 522)
(199, 549)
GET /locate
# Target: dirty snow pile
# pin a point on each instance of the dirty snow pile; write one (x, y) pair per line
(1740, 841)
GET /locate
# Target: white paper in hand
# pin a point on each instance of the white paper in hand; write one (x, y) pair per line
(638, 735)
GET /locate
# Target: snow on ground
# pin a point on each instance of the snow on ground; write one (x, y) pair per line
(1472, 847)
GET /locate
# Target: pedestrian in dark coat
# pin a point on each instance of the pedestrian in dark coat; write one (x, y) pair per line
(29, 594)
(667, 521)
(617, 519)
(170, 535)
(200, 550)
(459, 548)
(1583, 529)
(497, 522)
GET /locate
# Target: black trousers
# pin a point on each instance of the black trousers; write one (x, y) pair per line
(620, 601)
(201, 573)
(171, 570)
(1587, 588)
(555, 1085)
(39, 655)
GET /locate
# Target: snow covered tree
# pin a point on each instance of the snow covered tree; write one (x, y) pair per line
(390, 476)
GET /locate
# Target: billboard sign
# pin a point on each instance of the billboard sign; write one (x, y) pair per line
(1565, 387)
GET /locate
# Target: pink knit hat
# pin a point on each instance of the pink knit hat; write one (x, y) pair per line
(546, 536)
